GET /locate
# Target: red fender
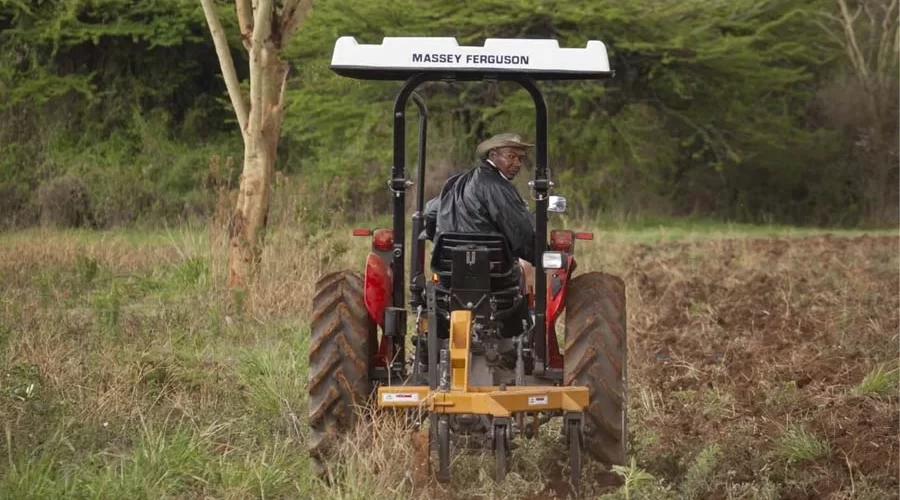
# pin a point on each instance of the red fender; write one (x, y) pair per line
(557, 284)
(377, 285)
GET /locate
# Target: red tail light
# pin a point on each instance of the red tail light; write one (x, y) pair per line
(584, 236)
(561, 241)
(362, 232)
(383, 240)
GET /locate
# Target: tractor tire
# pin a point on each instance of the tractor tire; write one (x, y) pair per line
(342, 347)
(596, 357)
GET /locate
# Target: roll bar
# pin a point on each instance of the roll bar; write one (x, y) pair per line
(398, 183)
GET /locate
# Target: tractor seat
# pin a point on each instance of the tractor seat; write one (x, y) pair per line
(486, 270)
(501, 270)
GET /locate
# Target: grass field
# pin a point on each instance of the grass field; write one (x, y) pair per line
(763, 363)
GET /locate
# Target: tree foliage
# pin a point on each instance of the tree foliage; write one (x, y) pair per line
(739, 109)
(117, 92)
(712, 109)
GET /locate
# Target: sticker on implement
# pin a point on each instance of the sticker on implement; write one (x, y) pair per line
(400, 397)
(538, 400)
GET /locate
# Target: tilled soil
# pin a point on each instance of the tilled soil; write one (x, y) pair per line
(740, 343)
(747, 368)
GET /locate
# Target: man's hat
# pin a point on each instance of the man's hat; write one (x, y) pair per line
(500, 141)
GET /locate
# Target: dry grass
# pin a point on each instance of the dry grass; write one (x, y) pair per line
(759, 368)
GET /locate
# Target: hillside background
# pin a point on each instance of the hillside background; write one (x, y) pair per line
(114, 113)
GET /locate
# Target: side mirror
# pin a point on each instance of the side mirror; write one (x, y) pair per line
(556, 204)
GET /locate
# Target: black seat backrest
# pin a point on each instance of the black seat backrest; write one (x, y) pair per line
(500, 256)
(468, 290)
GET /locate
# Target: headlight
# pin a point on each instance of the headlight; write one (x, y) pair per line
(553, 260)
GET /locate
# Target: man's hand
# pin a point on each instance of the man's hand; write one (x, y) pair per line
(528, 273)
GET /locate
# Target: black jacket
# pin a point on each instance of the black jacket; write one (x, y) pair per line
(482, 200)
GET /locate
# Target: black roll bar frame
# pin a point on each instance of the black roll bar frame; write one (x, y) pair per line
(540, 186)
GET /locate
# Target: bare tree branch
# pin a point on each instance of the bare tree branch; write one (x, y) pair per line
(262, 28)
(872, 46)
(888, 48)
(871, 15)
(226, 63)
(245, 20)
(856, 55)
(890, 18)
(830, 32)
(284, 78)
(275, 117)
(294, 13)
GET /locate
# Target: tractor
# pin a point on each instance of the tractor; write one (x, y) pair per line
(485, 366)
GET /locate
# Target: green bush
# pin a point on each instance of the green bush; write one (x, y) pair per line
(64, 202)
(726, 109)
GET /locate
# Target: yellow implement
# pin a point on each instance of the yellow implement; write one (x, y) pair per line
(461, 398)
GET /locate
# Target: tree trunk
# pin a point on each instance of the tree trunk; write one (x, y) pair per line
(246, 229)
(263, 34)
(246, 232)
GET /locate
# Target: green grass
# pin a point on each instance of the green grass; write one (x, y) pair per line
(637, 229)
(663, 229)
(880, 382)
(132, 236)
(130, 377)
(126, 372)
(797, 445)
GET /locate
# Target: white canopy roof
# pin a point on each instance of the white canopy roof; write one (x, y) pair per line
(401, 57)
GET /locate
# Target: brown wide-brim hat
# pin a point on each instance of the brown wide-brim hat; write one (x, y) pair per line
(507, 140)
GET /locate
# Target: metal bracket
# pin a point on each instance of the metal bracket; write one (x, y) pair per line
(540, 189)
(399, 185)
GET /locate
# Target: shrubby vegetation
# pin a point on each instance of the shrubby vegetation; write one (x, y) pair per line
(739, 110)
(125, 97)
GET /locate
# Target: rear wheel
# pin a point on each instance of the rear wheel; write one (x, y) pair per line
(595, 356)
(342, 347)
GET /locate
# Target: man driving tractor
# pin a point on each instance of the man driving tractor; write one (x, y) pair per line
(484, 200)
